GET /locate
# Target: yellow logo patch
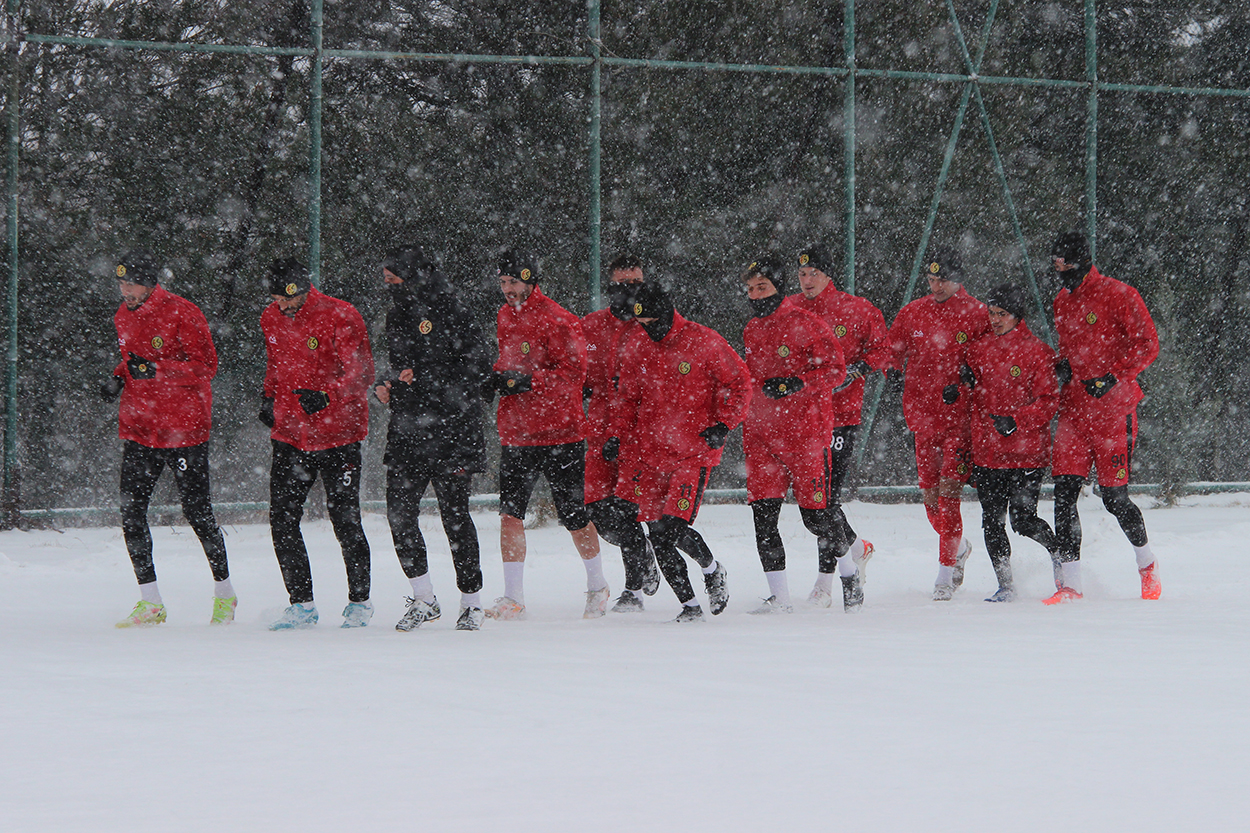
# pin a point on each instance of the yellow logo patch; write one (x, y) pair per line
(312, 342)
(157, 342)
(425, 326)
(1121, 474)
(525, 347)
(819, 497)
(804, 259)
(291, 289)
(525, 274)
(934, 268)
(783, 351)
(961, 337)
(782, 388)
(637, 491)
(840, 331)
(121, 271)
(637, 309)
(683, 368)
(683, 504)
(1015, 371)
(511, 383)
(961, 469)
(1091, 319)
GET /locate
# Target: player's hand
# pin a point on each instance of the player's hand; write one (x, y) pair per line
(513, 381)
(266, 412)
(715, 435)
(140, 368)
(111, 387)
(612, 449)
(967, 376)
(1004, 425)
(312, 401)
(1100, 387)
(781, 386)
(950, 394)
(383, 392)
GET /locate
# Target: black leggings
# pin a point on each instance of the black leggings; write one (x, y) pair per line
(1014, 490)
(830, 543)
(616, 520)
(141, 468)
(1068, 521)
(405, 484)
(290, 478)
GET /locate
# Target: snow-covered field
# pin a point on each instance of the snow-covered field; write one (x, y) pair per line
(1111, 714)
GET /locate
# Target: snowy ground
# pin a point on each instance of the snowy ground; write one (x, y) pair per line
(1111, 714)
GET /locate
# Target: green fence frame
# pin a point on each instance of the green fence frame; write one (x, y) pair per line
(594, 62)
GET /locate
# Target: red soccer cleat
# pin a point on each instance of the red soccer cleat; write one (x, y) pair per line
(1150, 586)
(1062, 595)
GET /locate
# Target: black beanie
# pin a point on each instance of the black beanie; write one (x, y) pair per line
(769, 266)
(818, 257)
(1009, 297)
(408, 263)
(138, 266)
(944, 264)
(288, 277)
(515, 264)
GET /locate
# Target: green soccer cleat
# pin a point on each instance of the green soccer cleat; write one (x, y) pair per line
(144, 615)
(223, 610)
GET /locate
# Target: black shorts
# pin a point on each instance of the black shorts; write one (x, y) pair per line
(841, 459)
(565, 469)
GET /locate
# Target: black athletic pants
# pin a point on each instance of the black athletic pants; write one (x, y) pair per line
(290, 478)
(405, 484)
(141, 468)
(823, 523)
(1068, 521)
(841, 459)
(616, 520)
(1016, 491)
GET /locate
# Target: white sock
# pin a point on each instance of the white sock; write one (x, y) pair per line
(1144, 556)
(711, 568)
(1072, 575)
(691, 603)
(223, 589)
(946, 575)
(594, 573)
(778, 586)
(856, 550)
(825, 580)
(470, 600)
(847, 566)
(514, 581)
(422, 587)
(150, 593)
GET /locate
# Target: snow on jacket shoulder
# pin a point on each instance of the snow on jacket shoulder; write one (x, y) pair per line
(542, 339)
(1015, 377)
(174, 409)
(324, 347)
(1104, 327)
(927, 343)
(671, 390)
(791, 342)
(860, 330)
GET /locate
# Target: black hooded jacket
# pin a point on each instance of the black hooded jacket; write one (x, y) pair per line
(437, 419)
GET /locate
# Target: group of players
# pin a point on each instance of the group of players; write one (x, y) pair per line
(626, 411)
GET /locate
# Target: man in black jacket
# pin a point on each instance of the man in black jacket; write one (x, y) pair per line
(439, 360)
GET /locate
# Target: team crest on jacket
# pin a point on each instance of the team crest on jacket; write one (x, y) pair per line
(961, 337)
(1015, 370)
(312, 342)
(961, 469)
(818, 497)
(840, 331)
(1121, 474)
(783, 351)
(683, 504)
(683, 368)
(425, 326)
(157, 342)
(637, 491)
(525, 347)
(1091, 319)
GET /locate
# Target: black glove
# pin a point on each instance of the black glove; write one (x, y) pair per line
(266, 412)
(779, 386)
(587, 391)
(1004, 425)
(488, 388)
(1100, 387)
(1063, 371)
(512, 381)
(111, 387)
(950, 394)
(858, 370)
(612, 449)
(140, 368)
(715, 435)
(312, 401)
(967, 376)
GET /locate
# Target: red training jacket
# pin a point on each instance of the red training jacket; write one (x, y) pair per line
(791, 342)
(860, 329)
(1104, 327)
(605, 334)
(174, 410)
(1015, 377)
(672, 389)
(545, 340)
(927, 342)
(324, 347)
